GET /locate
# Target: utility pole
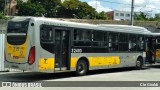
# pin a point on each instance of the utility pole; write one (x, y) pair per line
(4, 7)
(10, 7)
(95, 14)
(132, 13)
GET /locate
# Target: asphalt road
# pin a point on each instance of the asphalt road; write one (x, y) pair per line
(122, 74)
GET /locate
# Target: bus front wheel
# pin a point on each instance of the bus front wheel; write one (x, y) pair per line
(139, 63)
(81, 68)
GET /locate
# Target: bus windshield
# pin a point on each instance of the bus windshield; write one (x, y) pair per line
(18, 27)
(17, 32)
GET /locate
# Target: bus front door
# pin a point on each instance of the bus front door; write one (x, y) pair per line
(61, 49)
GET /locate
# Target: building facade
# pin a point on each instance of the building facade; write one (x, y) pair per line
(119, 15)
(10, 7)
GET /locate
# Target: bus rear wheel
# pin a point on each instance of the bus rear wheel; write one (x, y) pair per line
(81, 68)
(139, 63)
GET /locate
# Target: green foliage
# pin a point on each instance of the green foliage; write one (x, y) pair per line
(157, 17)
(30, 9)
(55, 8)
(102, 15)
(76, 9)
(2, 5)
(3, 17)
(50, 6)
(141, 16)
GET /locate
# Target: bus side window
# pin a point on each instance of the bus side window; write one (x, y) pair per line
(46, 38)
(82, 37)
(123, 42)
(132, 45)
(98, 38)
(140, 43)
(46, 34)
(113, 41)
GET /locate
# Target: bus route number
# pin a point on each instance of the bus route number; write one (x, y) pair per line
(76, 50)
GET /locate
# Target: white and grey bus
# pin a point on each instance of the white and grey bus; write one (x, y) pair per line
(49, 45)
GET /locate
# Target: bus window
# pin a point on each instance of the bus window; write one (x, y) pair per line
(82, 37)
(17, 32)
(113, 41)
(123, 42)
(98, 39)
(158, 43)
(140, 43)
(46, 35)
(46, 38)
(132, 42)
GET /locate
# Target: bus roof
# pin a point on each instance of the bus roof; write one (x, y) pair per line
(104, 27)
(156, 34)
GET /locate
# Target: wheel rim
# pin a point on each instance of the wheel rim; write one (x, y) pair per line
(138, 63)
(81, 68)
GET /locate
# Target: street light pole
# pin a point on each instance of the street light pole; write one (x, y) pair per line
(95, 13)
(132, 13)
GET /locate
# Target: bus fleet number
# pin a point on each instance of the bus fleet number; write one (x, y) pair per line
(76, 50)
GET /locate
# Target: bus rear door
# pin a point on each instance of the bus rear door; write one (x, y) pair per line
(151, 51)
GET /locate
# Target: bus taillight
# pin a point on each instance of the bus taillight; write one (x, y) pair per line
(31, 57)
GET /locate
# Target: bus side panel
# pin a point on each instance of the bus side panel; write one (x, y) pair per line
(46, 61)
(158, 55)
(106, 60)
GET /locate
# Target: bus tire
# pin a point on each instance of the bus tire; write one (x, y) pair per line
(139, 63)
(81, 68)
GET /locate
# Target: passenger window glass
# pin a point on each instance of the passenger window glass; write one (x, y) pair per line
(47, 38)
(98, 39)
(123, 37)
(141, 43)
(82, 37)
(113, 41)
(123, 42)
(132, 43)
(46, 34)
(98, 36)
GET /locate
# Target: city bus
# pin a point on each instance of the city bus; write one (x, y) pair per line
(40, 44)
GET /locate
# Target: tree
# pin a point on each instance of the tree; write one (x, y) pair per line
(30, 9)
(101, 15)
(157, 17)
(3, 17)
(86, 11)
(2, 3)
(76, 9)
(50, 6)
(141, 16)
(54, 8)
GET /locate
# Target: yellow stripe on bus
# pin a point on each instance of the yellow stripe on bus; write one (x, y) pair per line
(157, 53)
(98, 61)
(46, 63)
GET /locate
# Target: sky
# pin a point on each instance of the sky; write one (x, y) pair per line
(147, 6)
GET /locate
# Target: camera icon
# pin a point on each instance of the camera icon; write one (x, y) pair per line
(6, 84)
